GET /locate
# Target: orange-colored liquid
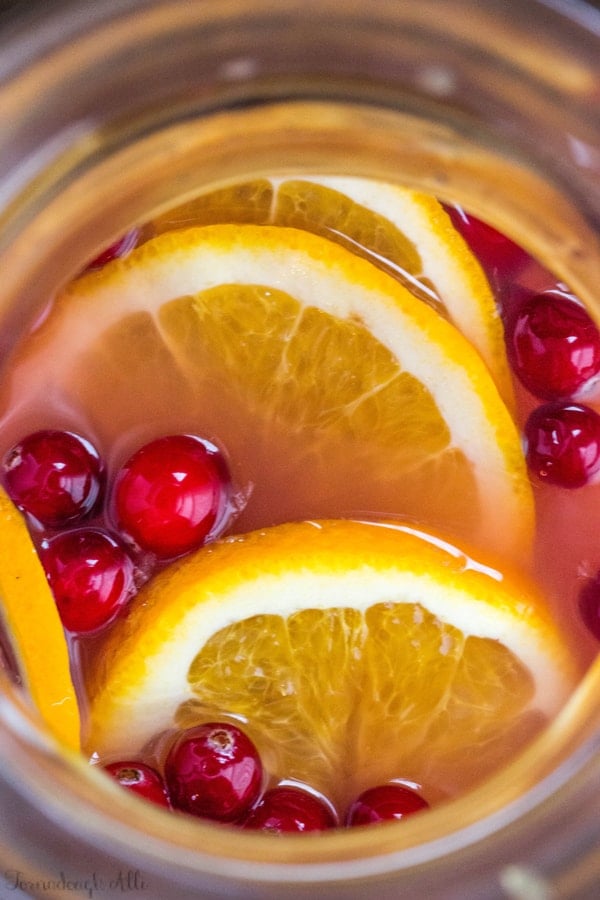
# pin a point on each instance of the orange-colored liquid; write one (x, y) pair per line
(120, 407)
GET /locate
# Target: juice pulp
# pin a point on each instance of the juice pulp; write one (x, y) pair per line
(121, 407)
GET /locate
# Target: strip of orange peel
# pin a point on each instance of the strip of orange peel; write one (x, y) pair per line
(34, 629)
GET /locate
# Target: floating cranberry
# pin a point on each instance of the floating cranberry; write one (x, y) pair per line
(91, 577)
(385, 802)
(140, 779)
(499, 256)
(214, 771)
(563, 444)
(116, 250)
(55, 476)
(589, 605)
(284, 809)
(171, 493)
(554, 346)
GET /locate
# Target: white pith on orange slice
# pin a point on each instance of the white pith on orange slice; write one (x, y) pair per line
(34, 630)
(331, 390)
(352, 652)
(406, 232)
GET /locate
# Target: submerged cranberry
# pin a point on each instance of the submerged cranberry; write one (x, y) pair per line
(116, 250)
(499, 256)
(385, 802)
(589, 605)
(170, 494)
(554, 346)
(91, 577)
(140, 779)
(284, 809)
(563, 444)
(214, 771)
(55, 476)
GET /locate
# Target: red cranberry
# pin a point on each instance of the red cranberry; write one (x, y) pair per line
(554, 346)
(500, 257)
(563, 444)
(140, 779)
(91, 577)
(214, 771)
(589, 605)
(385, 802)
(171, 494)
(290, 809)
(55, 476)
(116, 250)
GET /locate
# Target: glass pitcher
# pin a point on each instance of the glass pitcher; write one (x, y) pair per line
(116, 109)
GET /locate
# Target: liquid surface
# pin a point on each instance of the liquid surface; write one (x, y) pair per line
(118, 404)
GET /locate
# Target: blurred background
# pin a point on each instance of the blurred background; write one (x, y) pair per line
(11, 9)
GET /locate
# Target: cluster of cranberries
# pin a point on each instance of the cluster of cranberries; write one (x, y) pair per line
(554, 349)
(167, 499)
(214, 771)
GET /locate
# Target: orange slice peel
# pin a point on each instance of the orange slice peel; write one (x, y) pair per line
(34, 630)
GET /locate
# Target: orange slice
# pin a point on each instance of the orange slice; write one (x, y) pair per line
(34, 630)
(331, 390)
(404, 231)
(353, 652)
